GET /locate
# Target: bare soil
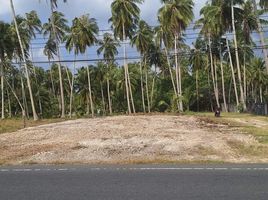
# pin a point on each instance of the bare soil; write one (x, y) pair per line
(131, 139)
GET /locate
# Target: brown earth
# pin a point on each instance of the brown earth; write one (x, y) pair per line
(131, 139)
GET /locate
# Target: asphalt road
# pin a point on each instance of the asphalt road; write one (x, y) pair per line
(176, 182)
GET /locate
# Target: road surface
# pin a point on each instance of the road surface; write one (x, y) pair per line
(150, 182)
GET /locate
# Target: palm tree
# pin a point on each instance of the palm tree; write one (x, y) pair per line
(108, 46)
(263, 4)
(84, 35)
(56, 28)
(125, 16)
(242, 97)
(197, 60)
(24, 60)
(175, 16)
(259, 75)
(6, 51)
(142, 39)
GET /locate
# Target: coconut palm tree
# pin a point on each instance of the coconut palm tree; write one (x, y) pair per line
(242, 97)
(125, 16)
(6, 51)
(85, 30)
(22, 48)
(56, 28)
(108, 46)
(197, 60)
(175, 16)
(142, 40)
(263, 4)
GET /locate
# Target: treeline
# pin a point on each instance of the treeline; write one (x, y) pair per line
(220, 69)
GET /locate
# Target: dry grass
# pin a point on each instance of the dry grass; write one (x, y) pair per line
(247, 123)
(12, 125)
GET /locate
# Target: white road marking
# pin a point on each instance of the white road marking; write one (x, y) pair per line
(141, 169)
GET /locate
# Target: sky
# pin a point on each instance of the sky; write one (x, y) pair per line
(98, 9)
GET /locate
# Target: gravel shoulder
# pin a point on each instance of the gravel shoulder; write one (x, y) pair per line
(131, 139)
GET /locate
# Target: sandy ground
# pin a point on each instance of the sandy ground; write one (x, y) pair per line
(128, 139)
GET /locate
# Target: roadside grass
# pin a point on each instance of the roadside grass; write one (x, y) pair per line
(11, 125)
(247, 123)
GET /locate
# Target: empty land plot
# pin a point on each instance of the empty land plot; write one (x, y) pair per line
(131, 139)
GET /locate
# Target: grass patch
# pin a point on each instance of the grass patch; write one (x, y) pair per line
(11, 125)
(247, 123)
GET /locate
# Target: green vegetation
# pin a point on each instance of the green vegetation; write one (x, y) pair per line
(11, 125)
(221, 67)
(247, 123)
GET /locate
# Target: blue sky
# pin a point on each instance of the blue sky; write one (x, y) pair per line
(99, 9)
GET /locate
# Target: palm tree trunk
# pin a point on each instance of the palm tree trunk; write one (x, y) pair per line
(126, 71)
(265, 54)
(170, 71)
(130, 91)
(197, 88)
(216, 81)
(24, 60)
(213, 73)
(2, 89)
(72, 88)
(9, 104)
(16, 97)
(147, 91)
(152, 91)
(109, 97)
(178, 75)
(223, 83)
(142, 90)
(51, 78)
(238, 62)
(261, 94)
(90, 93)
(233, 74)
(59, 63)
(245, 78)
(108, 92)
(102, 99)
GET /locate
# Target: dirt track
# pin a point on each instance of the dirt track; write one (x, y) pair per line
(127, 139)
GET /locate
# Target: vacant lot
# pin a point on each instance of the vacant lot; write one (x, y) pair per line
(132, 139)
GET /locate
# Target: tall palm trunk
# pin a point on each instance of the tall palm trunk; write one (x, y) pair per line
(265, 54)
(90, 92)
(59, 63)
(197, 88)
(223, 83)
(9, 104)
(233, 74)
(237, 61)
(131, 93)
(213, 73)
(108, 90)
(16, 97)
(245, 78)
(142, 90)
(2, 89)
(170, 71)
(72, 88)
(109, 96)
(102, 99)
(261, 95)
(172, 78)
(147, 91)
(153, 84)
(178, 74)
(126, 71)
(24, 60)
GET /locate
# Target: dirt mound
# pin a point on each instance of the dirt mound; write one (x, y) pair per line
(128, 139)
